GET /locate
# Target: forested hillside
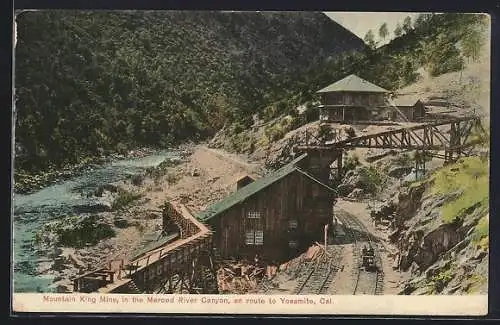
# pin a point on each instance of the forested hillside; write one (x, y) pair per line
(433, 44)
(88, 83)
(438, 43)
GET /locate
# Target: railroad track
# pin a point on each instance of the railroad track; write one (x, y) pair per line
(366, 283)
(320, 274)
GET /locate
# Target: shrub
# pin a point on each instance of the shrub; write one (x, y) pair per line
(87, 232)
(124, 199)
(441, 279)
(121, 148)
(351, 133)
(275, 132)
(350, 163)
(481, 231)
(120, 223)
(172, 178)
(325, 132)
(137, 180)
(370, 179)
(403, 160)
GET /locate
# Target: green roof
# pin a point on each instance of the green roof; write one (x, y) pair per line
(252, 188)
(353, 83)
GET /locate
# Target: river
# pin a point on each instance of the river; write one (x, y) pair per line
(68, 197)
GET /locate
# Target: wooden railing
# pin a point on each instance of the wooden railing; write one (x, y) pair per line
(194, 234)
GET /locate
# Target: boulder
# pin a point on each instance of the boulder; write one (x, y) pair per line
(120, 222)
(399, 172)
(357, 193)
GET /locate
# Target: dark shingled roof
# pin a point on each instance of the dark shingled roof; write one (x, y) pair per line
(252, 188)
(353, 83)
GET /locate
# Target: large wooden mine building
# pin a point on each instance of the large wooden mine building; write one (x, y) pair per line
(273, 217)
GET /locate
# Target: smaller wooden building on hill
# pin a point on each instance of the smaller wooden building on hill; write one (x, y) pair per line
(274, 217)
(244, 180)
(352, 99)
(408, 108)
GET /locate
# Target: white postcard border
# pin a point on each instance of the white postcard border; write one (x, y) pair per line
(470, 305)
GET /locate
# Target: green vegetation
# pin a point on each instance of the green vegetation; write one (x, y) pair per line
(124, 199)
(164, 168)
(121, 223)
(273, 132)
(91, 83)
(475, 282)
(371, 179)
(350, 162)
(172, 178)
(403, 160)
(470, 177)
(440, 280)
(243, 142)
(74, 232)
(325, 132)
(480, 236)
(383, 32)
(351, 133)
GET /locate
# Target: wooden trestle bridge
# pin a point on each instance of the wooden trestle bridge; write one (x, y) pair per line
(181, 264)
(455, 137)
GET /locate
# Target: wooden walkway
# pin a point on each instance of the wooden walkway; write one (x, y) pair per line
(154, 270)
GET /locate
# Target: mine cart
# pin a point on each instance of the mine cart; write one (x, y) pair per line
(368, 259)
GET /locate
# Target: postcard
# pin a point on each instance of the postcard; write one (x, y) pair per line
(239, 162)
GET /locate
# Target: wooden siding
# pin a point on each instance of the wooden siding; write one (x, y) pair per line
(353, 98)
(295, 197)
(412, 113)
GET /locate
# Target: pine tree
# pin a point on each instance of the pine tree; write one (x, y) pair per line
(370, 39)
(407, 25)
(398, 31)
(383, 31)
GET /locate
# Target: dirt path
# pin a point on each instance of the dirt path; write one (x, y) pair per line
(206, 177)
(392, 278)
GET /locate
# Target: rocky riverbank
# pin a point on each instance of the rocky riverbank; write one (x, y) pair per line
(132, 218)
(25, 183)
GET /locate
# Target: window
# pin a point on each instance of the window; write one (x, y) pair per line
(254, 232)
(254, 237)
(292, 224)
(159, 269)
(293, 244)
(253, 215)
(348, 99)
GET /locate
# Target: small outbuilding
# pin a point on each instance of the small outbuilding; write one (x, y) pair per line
(244, 181)
(409, 108)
